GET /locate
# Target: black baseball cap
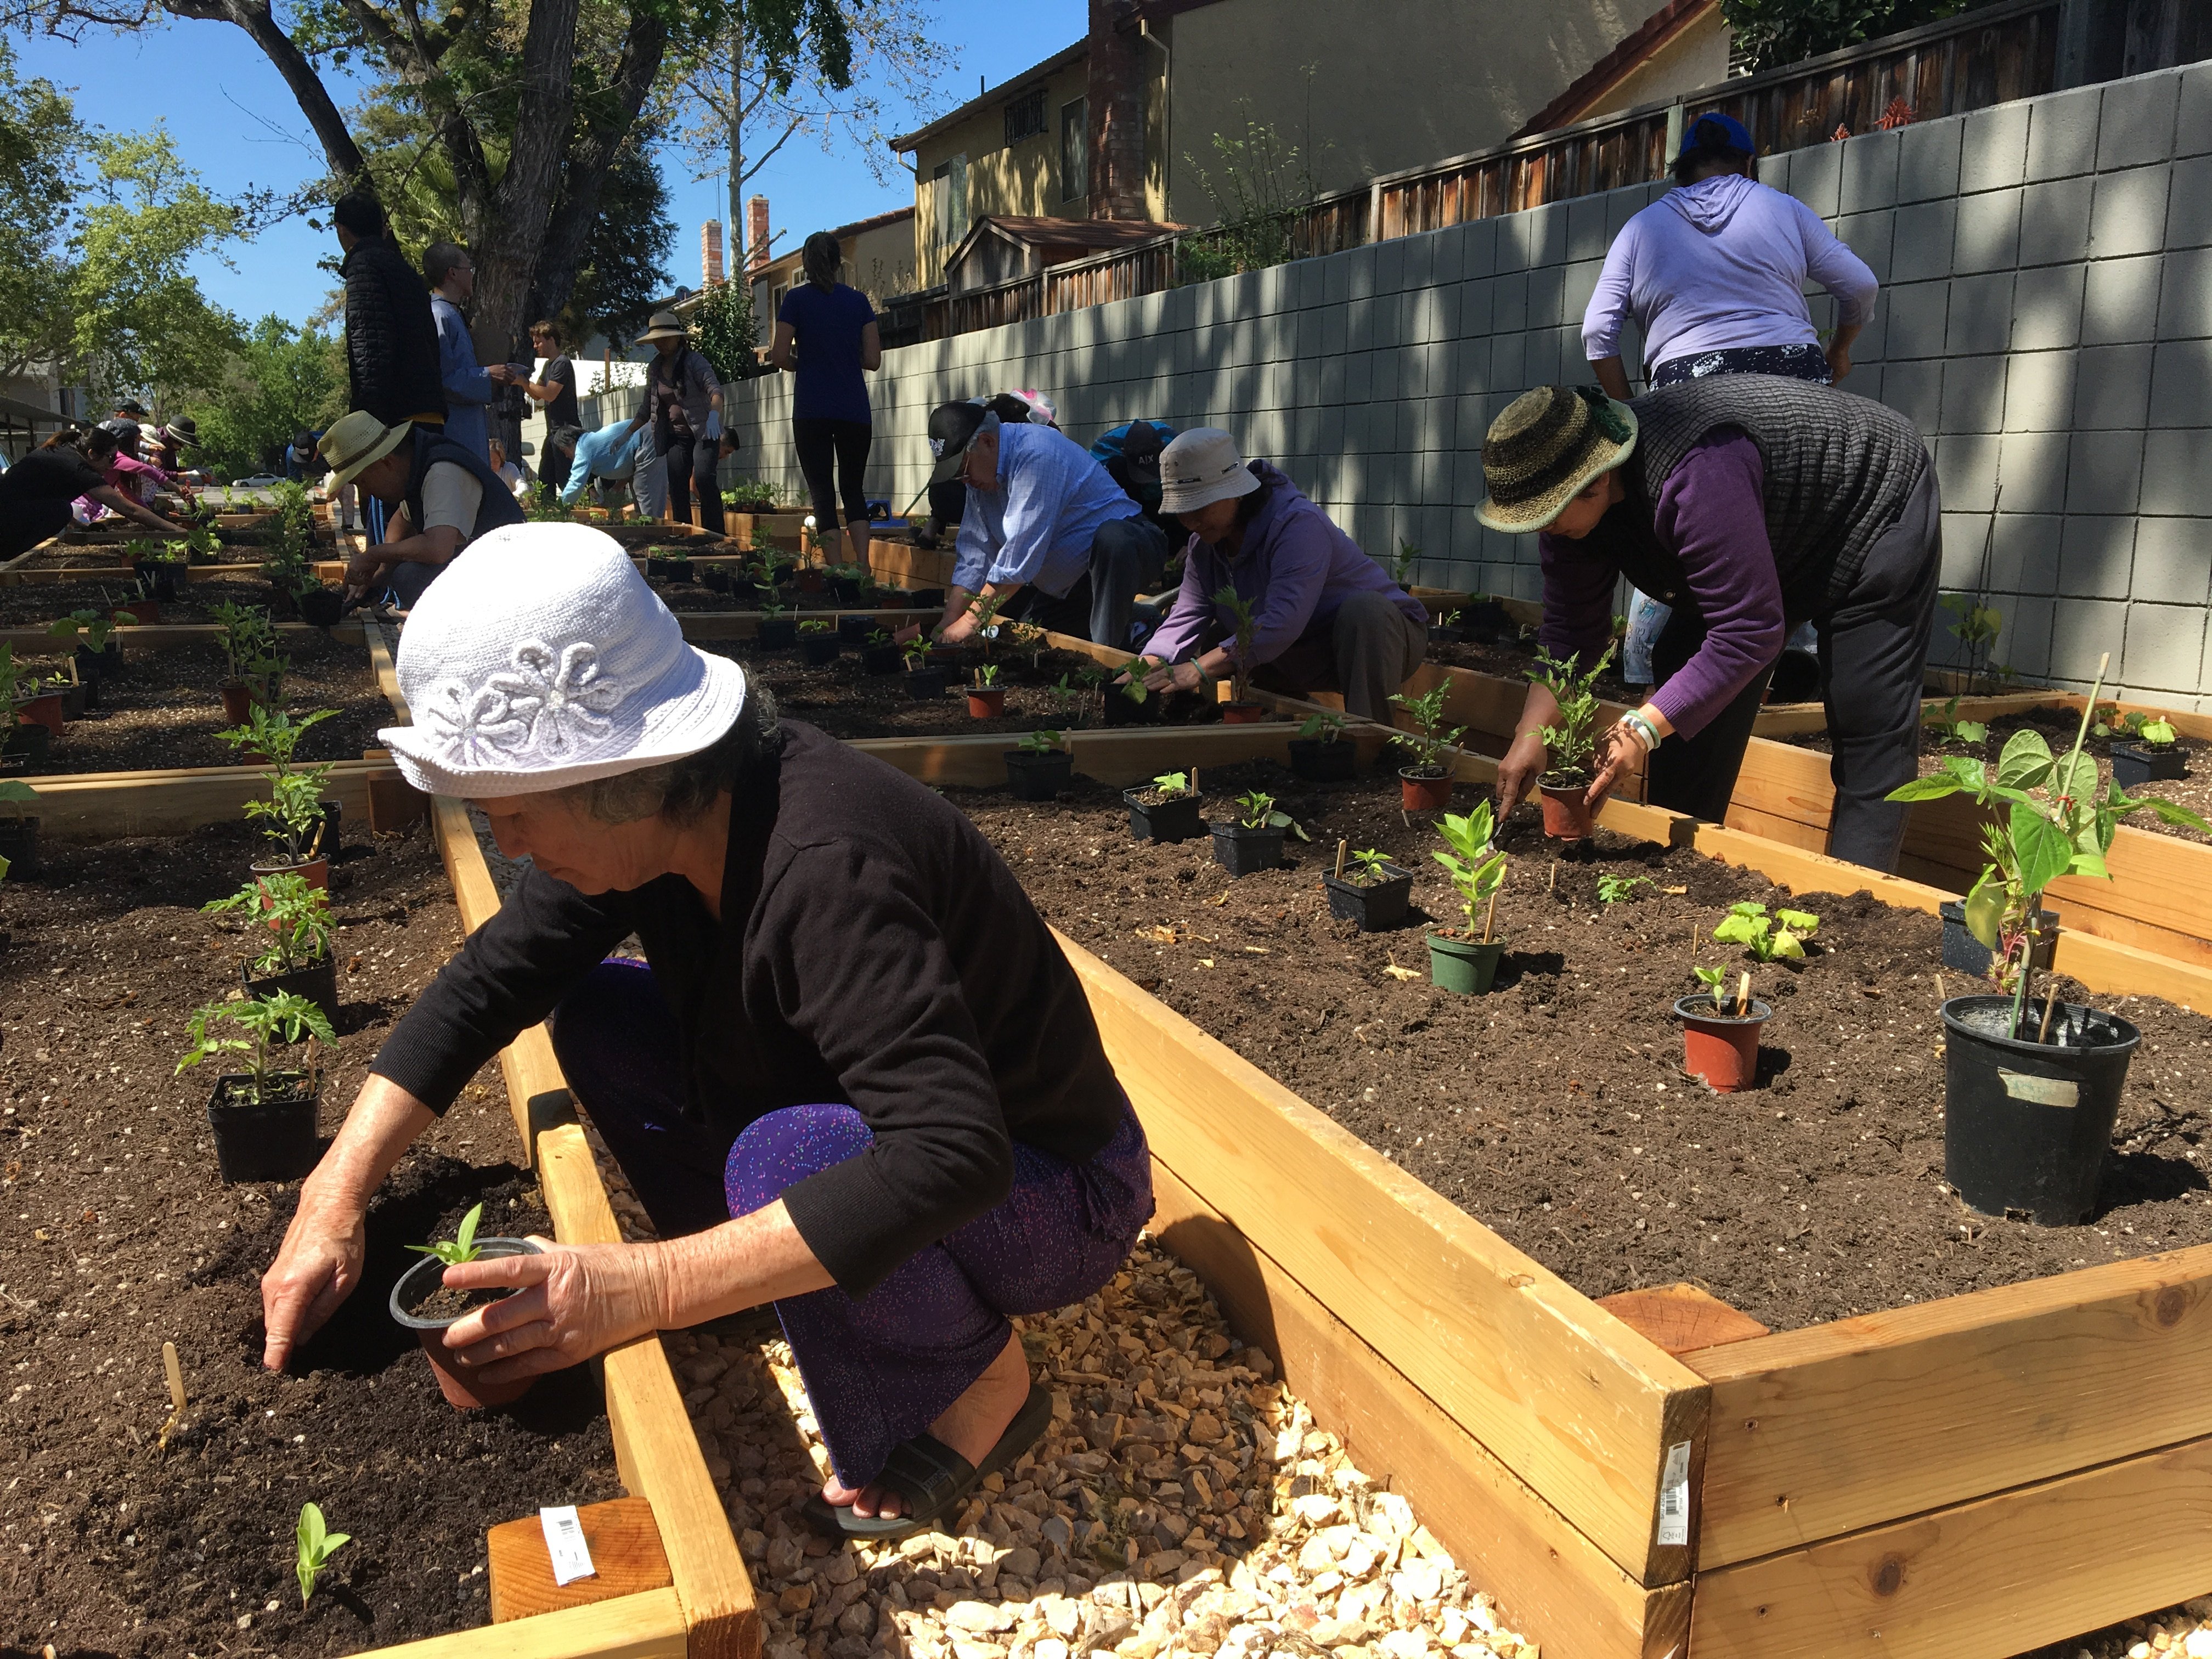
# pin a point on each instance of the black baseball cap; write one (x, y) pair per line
(952, 426)
(130, 406)
(1141, 445)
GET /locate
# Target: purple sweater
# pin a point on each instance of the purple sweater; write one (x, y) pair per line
(1296, 571)
(1712, 513)
(1720, 264)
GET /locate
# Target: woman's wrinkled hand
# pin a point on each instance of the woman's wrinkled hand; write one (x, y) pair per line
(1519, 772)
(572, 1301)
(1181, 677)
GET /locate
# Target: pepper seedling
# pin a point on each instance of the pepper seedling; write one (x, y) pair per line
(1477, 869)
(317, 1543)
(1255, 809)
(879, 637)
(285, 1018)
(294, 913)
(1568, 746)
(1782, 934)
(916, 649)
(1369, 866)
(1612, 890)
(461, 1247)
(1429, 743)
(1402, 563)
(814, 625)
(1242, 626)
(1172, 786)
(1040, 743)
(987, 674)
(1327, 726)
(1715, 980)
(1950, 728)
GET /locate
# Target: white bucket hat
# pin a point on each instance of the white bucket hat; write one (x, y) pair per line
(1201, 467)
(540, 658)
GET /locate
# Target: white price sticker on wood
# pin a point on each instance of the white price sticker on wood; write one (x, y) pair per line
(1674, 1495)
(564, 1542)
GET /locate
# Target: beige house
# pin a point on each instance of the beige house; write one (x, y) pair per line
(1122, 124)
(878, 261)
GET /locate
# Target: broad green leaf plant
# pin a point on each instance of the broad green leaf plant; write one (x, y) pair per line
(1256, 810)
(1368, 867)
(461, 1247)
(1476, 867)
(1041, 743)
(1781, 935)
(1327, 727)
(1950, 728)
(264, 1022)
(317, 1544)
(2052, 820)
(1172, 786)
(1568, 746)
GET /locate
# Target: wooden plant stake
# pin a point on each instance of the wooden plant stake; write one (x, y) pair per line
(1551, 881)
(1743, 995)
(2050, 1007)
(1340, 846)
(176, 1376)
(1193, 783)
(1490, 916)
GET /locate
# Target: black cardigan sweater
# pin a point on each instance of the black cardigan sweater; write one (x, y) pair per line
(873, 949)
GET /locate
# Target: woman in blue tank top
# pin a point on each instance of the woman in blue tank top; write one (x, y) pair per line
(826, 334)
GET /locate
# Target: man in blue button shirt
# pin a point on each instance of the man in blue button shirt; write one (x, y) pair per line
(1046, 532)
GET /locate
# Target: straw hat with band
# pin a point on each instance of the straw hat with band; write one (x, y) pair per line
(664, 326)
(359, 441)
(1201, 467)
(1544, 450)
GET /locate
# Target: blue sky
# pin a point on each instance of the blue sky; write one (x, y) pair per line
(237, 124)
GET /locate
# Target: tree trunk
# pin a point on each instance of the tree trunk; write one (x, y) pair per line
(590, 159)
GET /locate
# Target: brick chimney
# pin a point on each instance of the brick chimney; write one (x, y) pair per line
(756, 232)
(1116, 100)
(710, 252)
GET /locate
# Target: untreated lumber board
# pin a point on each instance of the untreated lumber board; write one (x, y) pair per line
(73, 806)
(1836, 1427)
(1797, 720)
(626, 1554)
(387, 674)
(1572, 1401)
(746, 624)
(647, 1625)
(1554, 1584)
(910, 566)
(1986, 1579)
(1681, 1318)
(156, 636)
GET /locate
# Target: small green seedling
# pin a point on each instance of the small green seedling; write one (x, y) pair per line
(461, 1247)
(1430, 742)
(1977, 630)
(2135, 724)
(1767, 938)
(1369, 866)
(1255, 809)
(987, 674)
(879, 637)
(1611, 889)
(1172, 786)
(317, 1545)
(1950, 728)
(1402, 563)
(1569, 746)
(267, 1021)
(1327, 726)
(1715, 980)
(289, 912)
(1041, 743)
(814, 625)
(916, 649)
(1477, 869)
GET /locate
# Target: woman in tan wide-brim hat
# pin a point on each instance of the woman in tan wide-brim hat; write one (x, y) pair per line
(683, 403)
(1750, 504)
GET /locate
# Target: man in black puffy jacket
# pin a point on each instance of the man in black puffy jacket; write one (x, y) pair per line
(391, 339)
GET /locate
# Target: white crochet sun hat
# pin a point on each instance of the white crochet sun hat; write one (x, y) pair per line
(540, 658)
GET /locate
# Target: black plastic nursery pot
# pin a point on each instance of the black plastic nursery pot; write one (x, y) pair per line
(1375, 905)
(96, 665)
(854, 630)
(2026, 1124)
(1173, 820)
(1963, 952)
(162, 575)
(1488, 622)
(19, 845)
(320, 607)
(1320, 760)
(1441, 635)
(2134, 764)
(923, 683)
(715, 578)
(879, 659)
(1242, 851)
(319, 984)
(464, 1391)
(1118, 710)
(817, 650)
(846, 590)
(76, 699)
(1721, 1049)
(779, 633)
(1462, 963)
(1033, 776)
(272, 1138)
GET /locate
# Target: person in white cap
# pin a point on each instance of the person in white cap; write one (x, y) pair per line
(1327, 617)
(854, 1077)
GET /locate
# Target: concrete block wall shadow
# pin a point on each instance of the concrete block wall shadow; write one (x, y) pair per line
(2045, 319)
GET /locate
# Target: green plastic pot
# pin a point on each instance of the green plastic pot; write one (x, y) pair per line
(1466, 966)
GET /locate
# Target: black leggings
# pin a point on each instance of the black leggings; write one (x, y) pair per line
(693, 461)
(845, 443)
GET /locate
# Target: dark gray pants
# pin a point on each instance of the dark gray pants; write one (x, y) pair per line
(1874, 653)
(1368, 650)
(1126, 555)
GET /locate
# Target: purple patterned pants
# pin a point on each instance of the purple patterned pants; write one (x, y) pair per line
(881, 1369)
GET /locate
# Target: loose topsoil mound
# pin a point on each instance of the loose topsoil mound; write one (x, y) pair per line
(117, 1235)
(2059, 726)
(166, 707)
(1555, 1109)
(34, 605)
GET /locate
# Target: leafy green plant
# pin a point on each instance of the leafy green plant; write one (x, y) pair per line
(317, 1544)
(14, 796)
(248, 640)
(1715, 980)
(1368, 867)
(916, 649)
(1041, 743)
(1782, 934)
(2135, 724)
(987, 674)
(1327, 726)
(12, 690)
(1975, 630)
(290, 913)
(879, 637)
(2050, 821)
(88, 628)
(814, 625)
(461, 1247)
(293, 814)
(1243, 625)
(1429, 743)
(1403, 561)
(264, 1022)
(749, 496)
(1477, 869)
(1255, 809)
(1950, 728)
(1612, 890)
(1569, 746)
(1171, 786)
(541, 508)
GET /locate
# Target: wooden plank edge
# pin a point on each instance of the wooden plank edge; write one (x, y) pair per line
(647, 1625)
(1553, 1584)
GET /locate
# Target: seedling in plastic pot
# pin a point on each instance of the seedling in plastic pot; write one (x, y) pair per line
(1612, 890)
(1950, 728)
(1172, 786)
(814, 625)
(317, 1545)
(1256, 810)
(1429, 743)
(292, 913)
(1477, 869)
(987, 674)
(1781, 935)
(1369, 866)
(2136, 725)
(461, 1247)
(1570, 745)
(265, 1021)
(1327, 726)
(2055, 822)
(917, 650)
(89, 628)
(1715, 980)
(1041, 743)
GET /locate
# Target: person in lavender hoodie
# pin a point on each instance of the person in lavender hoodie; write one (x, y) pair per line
(1750, 504)
(1326, 616)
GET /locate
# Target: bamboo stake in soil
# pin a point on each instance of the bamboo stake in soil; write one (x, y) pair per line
(1490, 916)
(1743, 995)
(1340, 846)
(176, 1376)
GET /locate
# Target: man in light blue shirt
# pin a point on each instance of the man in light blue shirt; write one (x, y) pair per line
(453, 278)
(611, 455)
(1046, 532)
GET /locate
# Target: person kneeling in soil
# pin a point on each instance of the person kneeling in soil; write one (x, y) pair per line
(442, 486)
(855, 1076)
(1325, 616)
(1750, 503)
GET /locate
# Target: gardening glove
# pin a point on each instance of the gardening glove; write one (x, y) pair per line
(572, 1302)
(1518, 772)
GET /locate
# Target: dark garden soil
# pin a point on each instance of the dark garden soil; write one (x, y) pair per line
(2059, 726)
(847, 703)
(166, 707)
(117, 1233)
(1512, 659)
(34, 605)
(1555, 1110)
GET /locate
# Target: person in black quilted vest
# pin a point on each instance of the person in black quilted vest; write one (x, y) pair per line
(392, 338)
(1750, 504)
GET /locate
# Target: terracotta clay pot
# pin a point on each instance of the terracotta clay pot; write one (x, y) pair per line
(986, 702)
(316, 872)
(148, 611)
(463, 1390)
(237, 701)
(1242, 713)
(1417, 794)
(45, 709)
(1567, 812)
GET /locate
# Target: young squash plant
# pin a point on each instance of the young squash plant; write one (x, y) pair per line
(317, 1543)
(1781, 936)
(1950, 728)
(1041, 743)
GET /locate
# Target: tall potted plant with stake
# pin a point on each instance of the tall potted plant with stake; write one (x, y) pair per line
(1465, 960)
(2031, 1089)
(1240, 710)
(294, 817)
(1569, 746)
(251, 659)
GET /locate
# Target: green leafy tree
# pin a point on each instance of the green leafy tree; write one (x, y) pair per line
(724, 331)
(1769, 34)
(281, 381)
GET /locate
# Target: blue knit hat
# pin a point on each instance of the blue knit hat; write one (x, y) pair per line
(1720, 133)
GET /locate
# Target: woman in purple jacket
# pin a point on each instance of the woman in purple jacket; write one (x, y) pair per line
(1750, 503)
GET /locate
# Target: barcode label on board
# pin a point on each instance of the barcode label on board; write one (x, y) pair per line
(1674, 1495)
(564, 1542)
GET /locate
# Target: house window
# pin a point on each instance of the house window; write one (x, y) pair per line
(1074, 161)
(950, 179)
(1026, 118)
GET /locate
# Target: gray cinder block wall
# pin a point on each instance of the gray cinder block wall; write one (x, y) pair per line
(2045, 319)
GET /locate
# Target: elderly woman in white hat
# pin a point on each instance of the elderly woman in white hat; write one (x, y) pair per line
(1327, 617)
(854, 1075)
